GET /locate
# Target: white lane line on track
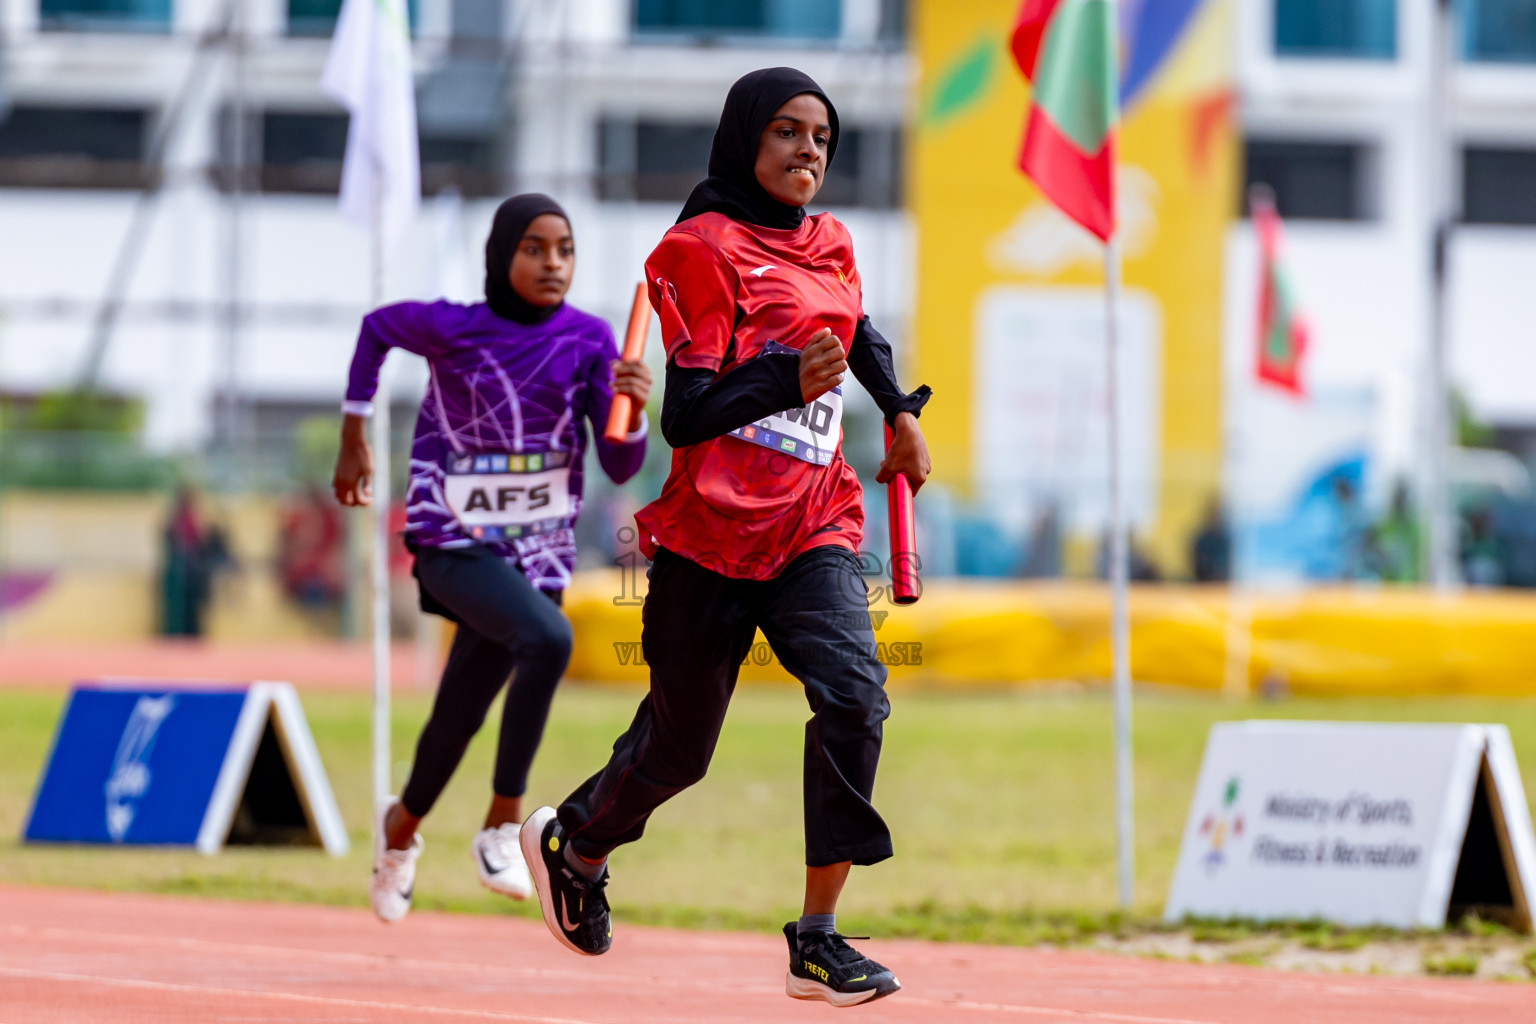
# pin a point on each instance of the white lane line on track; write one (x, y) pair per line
(1278, 981)
(1021, 1009)
(1215, 977)
(294, 997)
(1018, 1009)
(1284, 982)
(390, 962)
(401, 963)
(287, 997)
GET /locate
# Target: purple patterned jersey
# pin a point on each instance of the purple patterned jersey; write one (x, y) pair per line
(497, 455)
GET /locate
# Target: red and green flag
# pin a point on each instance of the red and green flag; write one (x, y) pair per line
(1282, 330)
(1068, 50)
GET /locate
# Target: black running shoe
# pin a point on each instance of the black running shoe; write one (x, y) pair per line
(575, 909)
(824, 966)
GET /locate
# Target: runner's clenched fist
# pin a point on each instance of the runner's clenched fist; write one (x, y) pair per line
(822, 365)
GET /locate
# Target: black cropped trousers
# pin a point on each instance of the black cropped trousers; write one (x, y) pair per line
(698, 628)
(506, 627)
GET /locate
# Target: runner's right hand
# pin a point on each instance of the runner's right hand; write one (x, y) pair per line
(353, 479)
(822, 365)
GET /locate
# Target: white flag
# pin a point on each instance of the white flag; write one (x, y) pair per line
(369, 72)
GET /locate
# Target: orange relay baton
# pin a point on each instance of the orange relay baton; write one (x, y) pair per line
(634, 348)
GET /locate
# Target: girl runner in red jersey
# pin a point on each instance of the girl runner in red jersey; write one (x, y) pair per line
(757, 527)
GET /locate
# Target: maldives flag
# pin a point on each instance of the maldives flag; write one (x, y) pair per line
(1067, 50)
(1282, 331)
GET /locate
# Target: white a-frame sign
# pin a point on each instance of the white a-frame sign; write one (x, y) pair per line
(1408, 826)
(178, 765)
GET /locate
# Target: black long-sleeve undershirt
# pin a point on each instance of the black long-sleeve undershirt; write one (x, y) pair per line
(873, 366)
(697, 406)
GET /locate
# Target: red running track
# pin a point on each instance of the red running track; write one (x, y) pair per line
(311, 664)
(76, 956)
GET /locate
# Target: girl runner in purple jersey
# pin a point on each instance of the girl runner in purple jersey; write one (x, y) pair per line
(495, 489)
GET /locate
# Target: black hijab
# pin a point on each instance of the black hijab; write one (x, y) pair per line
(732, 187)
(507, 229)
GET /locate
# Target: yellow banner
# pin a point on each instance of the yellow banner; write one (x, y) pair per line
(1010, 308)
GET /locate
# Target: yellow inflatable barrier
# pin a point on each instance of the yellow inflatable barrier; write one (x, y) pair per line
(1390, 641)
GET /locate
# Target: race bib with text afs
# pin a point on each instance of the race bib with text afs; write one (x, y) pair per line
(499, 497)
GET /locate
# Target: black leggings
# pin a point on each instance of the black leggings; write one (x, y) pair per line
(698, 626)
(504, 624)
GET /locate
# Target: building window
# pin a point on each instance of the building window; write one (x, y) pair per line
(657, 161)
(1315, 180)
(1336, 28)
(303, 153)
(104, 15)
(1498, 186)
(318, 17)
(784, 19)
(893, 22)
(66, 147)
(464, 163)
(867, 170)
(653, 161)
(1498, 30)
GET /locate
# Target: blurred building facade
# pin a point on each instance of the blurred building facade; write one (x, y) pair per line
(1342, 118)
(1337, 118)
(607, 104)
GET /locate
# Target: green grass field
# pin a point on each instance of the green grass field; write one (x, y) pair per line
(1001, 805)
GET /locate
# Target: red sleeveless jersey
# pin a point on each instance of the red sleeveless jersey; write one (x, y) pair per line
(724, 291)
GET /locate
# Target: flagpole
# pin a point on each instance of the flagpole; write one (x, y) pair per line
(381, 497)
(1439, 491)
(1119, 559)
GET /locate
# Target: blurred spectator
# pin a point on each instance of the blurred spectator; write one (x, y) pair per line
(1042, 553)
(1512, 521)
(1210, 550)
(405, 613)
(1395, 547)
(982, 548)
(1349, 529)
(191, 554)
(1482, 559)
(1142, 568)
(310, 555)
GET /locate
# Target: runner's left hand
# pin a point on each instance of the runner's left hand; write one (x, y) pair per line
(908, 454)
(633, 378)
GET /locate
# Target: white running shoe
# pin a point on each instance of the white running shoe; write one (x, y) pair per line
(394, 873)
(499, 859)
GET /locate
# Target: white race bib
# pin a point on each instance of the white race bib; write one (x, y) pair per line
(499, 497)
(809, 433)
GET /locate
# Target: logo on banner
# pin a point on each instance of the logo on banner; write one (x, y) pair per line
(1219, 828)
(130, 776)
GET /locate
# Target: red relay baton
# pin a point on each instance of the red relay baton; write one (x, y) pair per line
(634, 348)
(905, 587)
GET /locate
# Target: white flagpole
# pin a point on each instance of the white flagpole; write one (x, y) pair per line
(382, 787)
(369, 72)
(1119, 564)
